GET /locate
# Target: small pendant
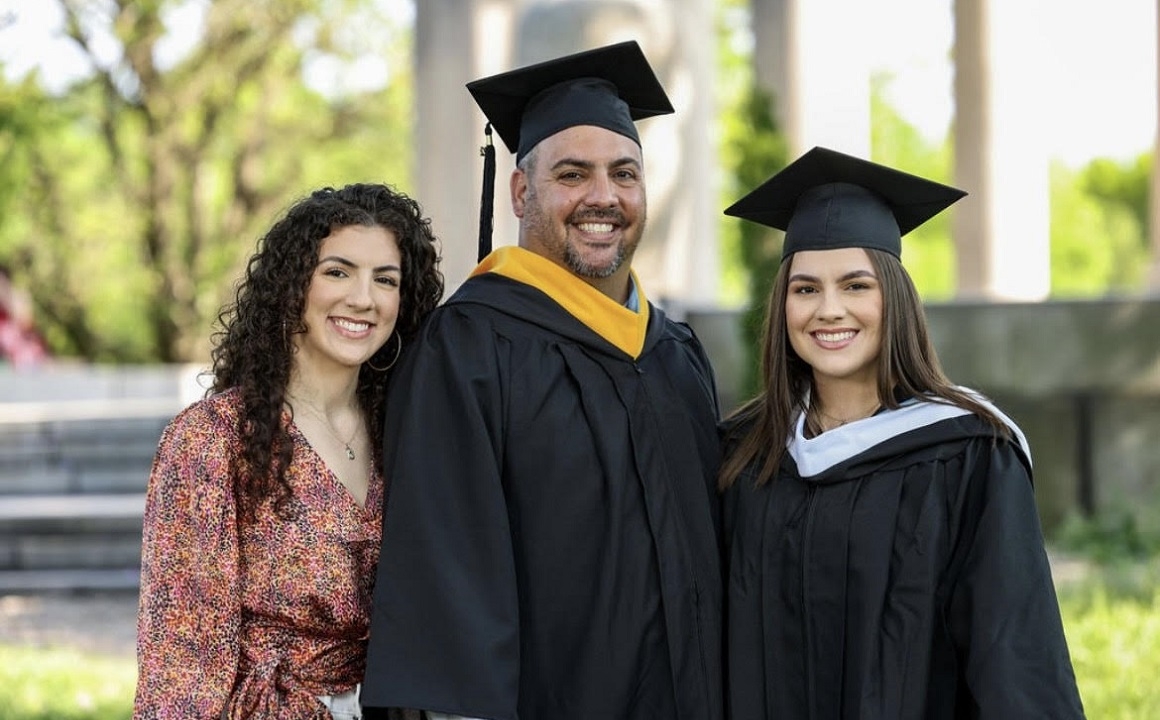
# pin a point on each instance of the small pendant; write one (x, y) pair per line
(349, 453)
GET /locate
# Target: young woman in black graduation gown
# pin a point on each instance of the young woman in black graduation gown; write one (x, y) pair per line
(885, 558)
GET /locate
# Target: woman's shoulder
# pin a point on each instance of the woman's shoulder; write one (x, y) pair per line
(214, 411)
(1013, 434)
(210, 421)
(197, 450)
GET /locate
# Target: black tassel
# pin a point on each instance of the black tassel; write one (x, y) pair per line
(487, 200)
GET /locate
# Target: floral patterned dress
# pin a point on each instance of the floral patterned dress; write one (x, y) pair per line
(255, 619)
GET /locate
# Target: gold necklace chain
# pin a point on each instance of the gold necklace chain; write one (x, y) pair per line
(841, 421)
(329, 428)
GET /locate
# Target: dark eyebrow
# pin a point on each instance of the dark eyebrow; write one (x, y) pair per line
(347, 263)
(588, 164)
(572, 162)
(627, 160)
(802, 277)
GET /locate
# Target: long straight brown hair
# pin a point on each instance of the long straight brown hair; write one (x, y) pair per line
(907, 365)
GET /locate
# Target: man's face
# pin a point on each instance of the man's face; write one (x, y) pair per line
(582, 201)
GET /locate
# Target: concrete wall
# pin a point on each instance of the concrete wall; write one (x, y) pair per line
(1081, 378)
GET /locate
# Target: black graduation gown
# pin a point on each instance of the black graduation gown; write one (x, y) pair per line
(551, 537)
(894, 569)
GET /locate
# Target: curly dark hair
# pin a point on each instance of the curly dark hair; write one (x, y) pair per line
(253, 350)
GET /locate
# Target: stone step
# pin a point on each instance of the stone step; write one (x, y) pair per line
(70, 552)
(14, 582)
(110, 447)
(18, 414)
(71, 532)
(112, 437)
(72, 513)
(76, 448)
(33, 429)
(81, 447)
(42, 479)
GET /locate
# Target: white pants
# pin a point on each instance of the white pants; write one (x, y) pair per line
(343, 706)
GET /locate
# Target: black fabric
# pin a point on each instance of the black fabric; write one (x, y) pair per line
(842, 215)
(609, 87)
(908, 582)
(826, 200)
(550, 543)
(486, 205)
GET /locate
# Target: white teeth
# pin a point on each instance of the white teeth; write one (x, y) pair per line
(595, 227)
(351, 325)
(834, 337)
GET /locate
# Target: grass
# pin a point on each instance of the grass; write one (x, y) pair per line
(1112, 621)
(1115, 649)
(59, 684)
(1111, 614)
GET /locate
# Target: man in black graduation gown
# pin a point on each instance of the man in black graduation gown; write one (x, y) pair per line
(550, 539)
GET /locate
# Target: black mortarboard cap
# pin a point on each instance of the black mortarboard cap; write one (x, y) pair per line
(609, 87)
(826, 200)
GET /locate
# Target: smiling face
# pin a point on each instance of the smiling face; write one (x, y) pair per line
(582, 204)
(833, 314)
(352, 301)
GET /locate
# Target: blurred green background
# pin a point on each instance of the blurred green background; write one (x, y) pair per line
(131, 195)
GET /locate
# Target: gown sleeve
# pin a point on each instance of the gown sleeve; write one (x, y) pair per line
(445, 625)
(187, 626)
(1003, 613)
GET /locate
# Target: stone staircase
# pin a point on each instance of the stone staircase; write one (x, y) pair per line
(72, 491)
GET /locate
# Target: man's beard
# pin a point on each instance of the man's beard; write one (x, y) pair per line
(584, 269)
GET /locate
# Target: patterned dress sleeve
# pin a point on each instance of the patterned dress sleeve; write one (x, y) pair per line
(189, 615)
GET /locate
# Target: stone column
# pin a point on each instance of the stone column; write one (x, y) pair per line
(812, 55)
(456, 41)
(677, 259)
(775, 63)
(1002, 229)
(691, 267)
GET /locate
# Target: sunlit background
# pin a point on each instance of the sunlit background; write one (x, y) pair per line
(1101, 87)
(144, 146)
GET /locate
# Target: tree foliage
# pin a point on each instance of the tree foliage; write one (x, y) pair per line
(1099, 220)
(752, 149)
(928, 251)
(129, 201)
(759, 152)
(142, 194)
(1121, 185)
(24, 111)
